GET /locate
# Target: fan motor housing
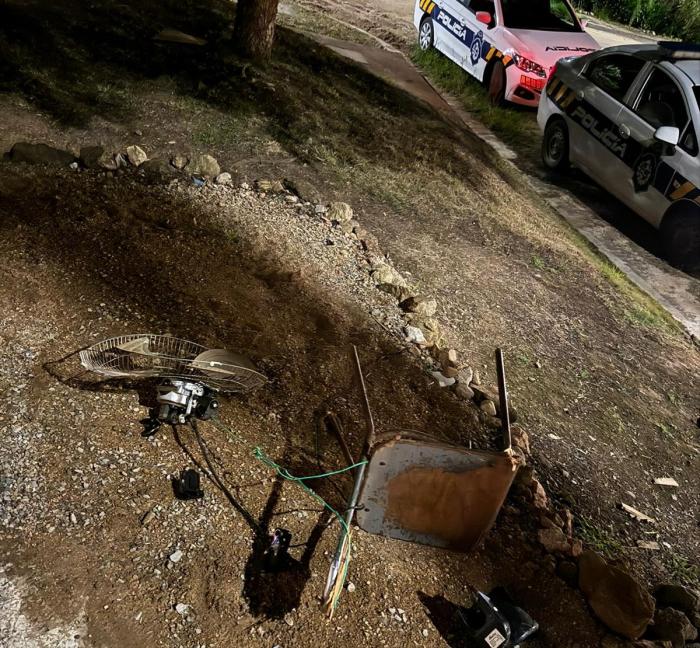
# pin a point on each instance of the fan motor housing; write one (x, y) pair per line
(179, 400)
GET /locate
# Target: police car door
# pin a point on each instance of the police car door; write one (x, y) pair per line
(474, 60)
(598, 145)
(655, 177)
(451, 30)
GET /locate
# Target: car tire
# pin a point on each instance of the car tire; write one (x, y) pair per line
(680, 235)
(555, 146)
(497, 84)
(426, 34)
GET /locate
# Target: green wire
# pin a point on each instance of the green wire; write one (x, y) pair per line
(259, 454)
(285, 474)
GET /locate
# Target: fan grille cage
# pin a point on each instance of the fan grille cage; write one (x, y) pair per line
(148, 355)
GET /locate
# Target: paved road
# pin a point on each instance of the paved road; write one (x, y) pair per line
(610, 35)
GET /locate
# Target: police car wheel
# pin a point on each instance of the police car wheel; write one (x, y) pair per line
(680, 233)
(497, 84)
(425, 35)
(555, 146)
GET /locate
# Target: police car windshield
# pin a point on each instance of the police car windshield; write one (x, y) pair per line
(547, 15)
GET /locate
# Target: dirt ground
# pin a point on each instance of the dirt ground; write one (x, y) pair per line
(606, 389)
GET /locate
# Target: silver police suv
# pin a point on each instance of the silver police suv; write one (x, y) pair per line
(628, 117)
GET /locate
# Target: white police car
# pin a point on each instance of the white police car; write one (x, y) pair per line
(510, 45)
(628, 117)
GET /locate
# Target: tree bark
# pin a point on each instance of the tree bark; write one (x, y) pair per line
(254, 29)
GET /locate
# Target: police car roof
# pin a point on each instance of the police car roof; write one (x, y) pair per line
(685, 56)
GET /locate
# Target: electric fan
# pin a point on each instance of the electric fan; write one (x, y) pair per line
(191, 374)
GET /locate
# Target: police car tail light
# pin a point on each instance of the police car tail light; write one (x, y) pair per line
(526, 65)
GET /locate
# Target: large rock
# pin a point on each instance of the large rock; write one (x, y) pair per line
(305, 190)
(157, 171)
(40, 154)
(676, 596)
(339, 211)
(424, 306)
(203, 165)
(179, 161)
(674, 626)
(397, 292)
(431, 329)
(90, 157)
(385, 274)
(615, 597)
(136, 155)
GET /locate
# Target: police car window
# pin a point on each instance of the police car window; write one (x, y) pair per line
(544, 15)
(480, 5)
(615, 73)
(661, 103)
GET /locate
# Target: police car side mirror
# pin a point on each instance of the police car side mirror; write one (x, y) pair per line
(668, 135)
(584, 23)
(485, 18)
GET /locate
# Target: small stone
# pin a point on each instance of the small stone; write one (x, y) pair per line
(203, 165)
(223, 178)
(553, 540)
(463, 391)
(148, 517)
(424, 632)
(136, 155)
(476, 380)
(520, 439)
(179, 161)
(339, 211)
(423, 306)
(488, 407)
(351, 587)
(465, 375)
(73, 518)
(176, 556)
(182, 609)
(442, 380)
(415, 335)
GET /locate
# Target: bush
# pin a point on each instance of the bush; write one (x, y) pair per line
(676, 18)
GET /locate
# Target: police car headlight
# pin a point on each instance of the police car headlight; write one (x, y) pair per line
(526, 65)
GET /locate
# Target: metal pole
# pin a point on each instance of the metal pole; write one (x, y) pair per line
(503, 400)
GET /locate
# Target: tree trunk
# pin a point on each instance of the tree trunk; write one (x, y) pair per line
(254, 29)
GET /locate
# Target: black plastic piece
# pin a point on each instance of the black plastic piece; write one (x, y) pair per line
(207, 407)
(484, 625)
(495, 621)
(276, 557)
(522, 625)
(187, 486)
(150, 426)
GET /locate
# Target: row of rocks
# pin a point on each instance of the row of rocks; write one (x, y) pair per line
(97, 158)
